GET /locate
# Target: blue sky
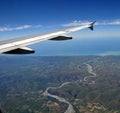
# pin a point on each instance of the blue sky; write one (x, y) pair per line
(47, 12)
(35, 16)
(26, 17)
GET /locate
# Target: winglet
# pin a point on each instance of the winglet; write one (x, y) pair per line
(91, 25)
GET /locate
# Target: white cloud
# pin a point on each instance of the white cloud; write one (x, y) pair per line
(79, 22)
(15, 28)
(22, 27)
(71, 24)
(75, 23)
(2, 29)
(113, 22)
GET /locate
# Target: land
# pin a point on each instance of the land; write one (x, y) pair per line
(25, 79)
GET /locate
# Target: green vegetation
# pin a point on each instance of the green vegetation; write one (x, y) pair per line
(24, 79)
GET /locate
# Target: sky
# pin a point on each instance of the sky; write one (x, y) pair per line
(27, 17)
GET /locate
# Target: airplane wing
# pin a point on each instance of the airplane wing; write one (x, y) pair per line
(18, 46)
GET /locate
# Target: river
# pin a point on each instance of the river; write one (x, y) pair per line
(86, 79)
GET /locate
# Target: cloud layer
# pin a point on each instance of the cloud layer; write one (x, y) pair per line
(15, 28)
(2, 29)
(78, 22)
(71, 24)
(75, 23)
(114, 22)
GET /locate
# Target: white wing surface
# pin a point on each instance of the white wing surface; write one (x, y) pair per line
(18, 46)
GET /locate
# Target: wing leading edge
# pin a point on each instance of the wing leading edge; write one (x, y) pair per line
(18, 46)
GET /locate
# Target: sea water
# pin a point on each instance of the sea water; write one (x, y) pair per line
(79, 46)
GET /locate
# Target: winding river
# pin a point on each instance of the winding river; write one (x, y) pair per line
(86, 79)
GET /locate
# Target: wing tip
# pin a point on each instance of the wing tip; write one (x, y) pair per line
(92, 25)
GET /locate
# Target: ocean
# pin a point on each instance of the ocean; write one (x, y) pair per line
(78, 47)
